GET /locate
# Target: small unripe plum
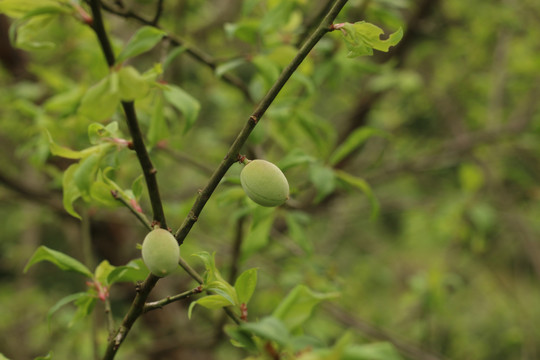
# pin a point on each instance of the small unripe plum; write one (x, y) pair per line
(264, 183)
(160, 252)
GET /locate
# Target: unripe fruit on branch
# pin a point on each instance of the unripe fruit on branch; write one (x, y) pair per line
(264, 183)
(160, 252)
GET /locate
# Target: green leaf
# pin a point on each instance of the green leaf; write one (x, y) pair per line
(269, 328)
(228, 66)
(362, 37)
(103, 270)
(324, 180)
(245, 285)
(133, 271)
(63, 261)
(64, 103)
(374, 351)
(62, 302)
(137, 187)
(20, 8)
(67, 153)
(25, 30)
(172, 55)
(295, 158)
(85, 173)
(296, 225)
(85, 305)
(143, 40)
(97, 133)
(356, 139)
(363, 186)
(70, 190)
(212, 273)
(471, 177)
(297, 307)
(246, 30)
(132, 85)
(210, 302)
(100, 101)
(267, 68)
(101, 190)
(240, 338)
(46, 357)
(158, 125)
(259, 231)
(183, 102)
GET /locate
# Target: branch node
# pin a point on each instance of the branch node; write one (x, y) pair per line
(254, 119)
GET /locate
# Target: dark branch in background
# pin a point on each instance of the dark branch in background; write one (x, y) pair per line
(373, 332)
(170, 299)
(358, 117)
(452, 150)
(131, 118)
(32, 194)
(194, 52)
(184, 158)
(159, 11)
(232, 154)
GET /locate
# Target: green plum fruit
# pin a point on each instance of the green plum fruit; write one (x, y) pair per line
(264, 183)
(160, 252)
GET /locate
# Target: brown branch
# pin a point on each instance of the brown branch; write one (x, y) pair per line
(131, 117)
(132, 315)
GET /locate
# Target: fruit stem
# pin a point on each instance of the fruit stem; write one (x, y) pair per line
(242, 159)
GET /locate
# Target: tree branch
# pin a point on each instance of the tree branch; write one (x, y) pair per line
(159, 11)
(170, 299)
(133, 313)
(233, 152)
(142, 218)
(131, 117)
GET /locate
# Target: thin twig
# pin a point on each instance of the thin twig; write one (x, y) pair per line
(185, 158)
(170, 299)
(232, 154)
(110, 318)
(142, 218)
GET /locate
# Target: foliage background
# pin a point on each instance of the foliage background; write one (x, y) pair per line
(448, 269)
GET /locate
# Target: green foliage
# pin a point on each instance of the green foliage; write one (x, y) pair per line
(63, 261)
(362, 37)
(223, 293)
(413, 189)
(142, 41)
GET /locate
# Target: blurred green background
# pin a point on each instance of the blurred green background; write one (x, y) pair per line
(449, 268)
